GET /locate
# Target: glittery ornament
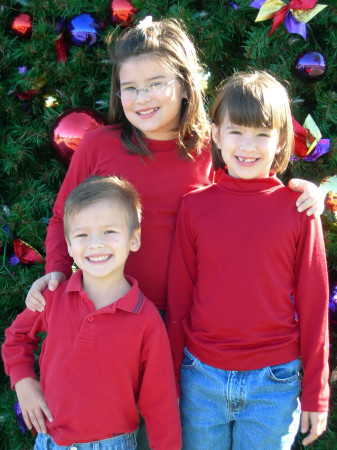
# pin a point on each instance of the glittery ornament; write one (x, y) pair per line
(309, 66)
(50, 101)
(82, 30)
(13, 260)
(22, 25)
(69, 129)
(26, 253)
(6, 211)
(121, 11)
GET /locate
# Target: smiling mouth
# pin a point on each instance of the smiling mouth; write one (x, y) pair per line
(247, 160)
(98, 258)
(149, 111)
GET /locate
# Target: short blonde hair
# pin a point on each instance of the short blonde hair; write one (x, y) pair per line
(168, 44)
(255, 99)
(95, 189)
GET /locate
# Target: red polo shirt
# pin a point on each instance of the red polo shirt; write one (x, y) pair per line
(97, 366)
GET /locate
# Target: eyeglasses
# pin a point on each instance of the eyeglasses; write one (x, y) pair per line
(154, 88)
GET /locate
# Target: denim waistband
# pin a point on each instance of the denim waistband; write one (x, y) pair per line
(123, 441)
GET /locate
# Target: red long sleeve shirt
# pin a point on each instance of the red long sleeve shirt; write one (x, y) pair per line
(97, 365)
(161, 182)
(248, 283)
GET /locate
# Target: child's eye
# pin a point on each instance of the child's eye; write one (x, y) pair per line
(80, 235)
(129, 89)
(155, 84)
(263, 135)
(109, 232)
(235, 132)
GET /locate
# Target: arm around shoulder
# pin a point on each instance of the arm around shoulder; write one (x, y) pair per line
(35, 300)
(312, 198)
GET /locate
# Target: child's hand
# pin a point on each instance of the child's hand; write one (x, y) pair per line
(33, 404)
(312, 197)
(315, 422)
(35, 300)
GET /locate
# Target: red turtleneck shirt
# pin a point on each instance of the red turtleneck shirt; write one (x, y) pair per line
(248, 283)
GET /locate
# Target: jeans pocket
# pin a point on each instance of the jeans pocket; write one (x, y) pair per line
(188, 361)
(285, 373)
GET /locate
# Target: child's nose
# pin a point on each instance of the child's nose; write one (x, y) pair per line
(248, 144)
(143, 96)
(96, 241)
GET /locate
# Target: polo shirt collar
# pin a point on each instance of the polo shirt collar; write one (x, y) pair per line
(131, 302)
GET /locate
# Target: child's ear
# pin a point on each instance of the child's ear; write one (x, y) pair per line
(280, 146)
(135, 241)
(69, 248)
(216, 135)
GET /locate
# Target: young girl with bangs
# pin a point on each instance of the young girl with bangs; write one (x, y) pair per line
(247, 286)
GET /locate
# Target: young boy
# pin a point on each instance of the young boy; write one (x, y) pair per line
(248, 286)
(106, 351)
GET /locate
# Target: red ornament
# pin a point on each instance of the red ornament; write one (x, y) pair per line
(22, 25)
(69, 129)
(300, 135)
(121, 11)
(26, 253)
(61, 49)
(26, 95)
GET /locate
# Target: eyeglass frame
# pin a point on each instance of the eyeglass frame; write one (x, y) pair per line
(146, 89)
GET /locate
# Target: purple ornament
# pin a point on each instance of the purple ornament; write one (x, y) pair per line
(13, 260)
(82, 30)
(22, 70)
(309, 66)
(19, 417)
(59, 26)
(233, 5)
(333, 305)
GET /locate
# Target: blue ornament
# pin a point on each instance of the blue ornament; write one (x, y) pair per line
(82, 30)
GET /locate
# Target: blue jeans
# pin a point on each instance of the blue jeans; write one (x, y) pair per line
(123, 442)
(239, 410)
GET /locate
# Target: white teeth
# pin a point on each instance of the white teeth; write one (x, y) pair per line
(246, 159)
(98, 258)
(149, 111)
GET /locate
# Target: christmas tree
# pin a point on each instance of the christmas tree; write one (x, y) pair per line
(50, 66)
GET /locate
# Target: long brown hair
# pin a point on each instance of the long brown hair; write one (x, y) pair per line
(167, 43)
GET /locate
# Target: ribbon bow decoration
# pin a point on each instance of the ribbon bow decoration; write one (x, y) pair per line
(295, 14)
(308, 143)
